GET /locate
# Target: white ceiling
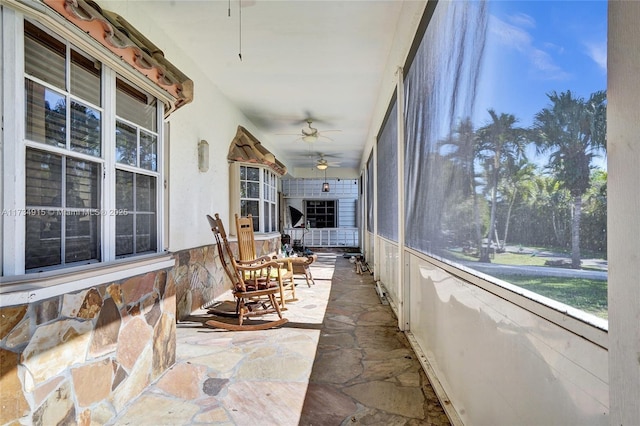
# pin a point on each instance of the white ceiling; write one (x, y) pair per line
(322, 60)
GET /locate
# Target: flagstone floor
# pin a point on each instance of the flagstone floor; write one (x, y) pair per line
(340, 360)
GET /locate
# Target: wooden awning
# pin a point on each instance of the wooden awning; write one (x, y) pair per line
(120, 37)
(247, 149)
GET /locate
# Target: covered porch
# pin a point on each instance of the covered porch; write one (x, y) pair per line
(339, 360)
(102, 298)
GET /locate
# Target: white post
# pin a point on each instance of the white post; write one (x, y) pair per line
(376, 242)
(623, 151)
(403, 308)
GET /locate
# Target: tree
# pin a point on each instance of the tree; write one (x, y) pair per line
(572, 131)
(500, 143)
(549, 207)
(593, 226)
(517, 182)
(463, 152)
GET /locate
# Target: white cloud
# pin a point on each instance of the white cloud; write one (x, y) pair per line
(543, 62)
(522, 20)
(554, 47)
(518, 38)
(598, 53)
(508, 34)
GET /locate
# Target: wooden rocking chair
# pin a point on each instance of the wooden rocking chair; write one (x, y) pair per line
(254, 285)
(247, 253)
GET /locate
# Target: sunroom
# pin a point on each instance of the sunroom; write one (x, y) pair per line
(463, 148)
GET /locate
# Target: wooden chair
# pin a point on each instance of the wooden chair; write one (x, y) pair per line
(254, 285)
(247, 253)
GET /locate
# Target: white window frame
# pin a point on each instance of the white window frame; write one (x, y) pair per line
(13, 200)
(325, 201)
(235, 201)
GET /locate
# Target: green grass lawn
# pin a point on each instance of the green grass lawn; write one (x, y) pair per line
(587, 295)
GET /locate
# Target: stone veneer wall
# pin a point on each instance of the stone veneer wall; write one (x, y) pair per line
(79, 358)
(199, 278)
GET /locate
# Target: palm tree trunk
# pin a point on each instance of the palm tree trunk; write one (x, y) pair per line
(506, 225)
(575, 232)
(476, 212)
(484, 257)
(476, 219)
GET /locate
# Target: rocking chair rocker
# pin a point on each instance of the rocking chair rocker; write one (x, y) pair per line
(254, 286)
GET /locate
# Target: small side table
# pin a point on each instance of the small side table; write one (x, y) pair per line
(301, 266)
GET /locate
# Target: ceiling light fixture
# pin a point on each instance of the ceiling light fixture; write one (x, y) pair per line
(325, 184)
(322, 166)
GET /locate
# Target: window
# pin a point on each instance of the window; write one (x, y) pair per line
(91, 193)
(136, 170)
(321, 213)
(62, 187)
(259, 197)
(387, 166)
(516, 176)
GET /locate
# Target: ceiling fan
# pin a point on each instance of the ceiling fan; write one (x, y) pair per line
(323, 164)
(311, 134)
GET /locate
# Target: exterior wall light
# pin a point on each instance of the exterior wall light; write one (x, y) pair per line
(203, 156)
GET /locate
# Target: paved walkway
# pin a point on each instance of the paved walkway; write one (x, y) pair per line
(340, 360)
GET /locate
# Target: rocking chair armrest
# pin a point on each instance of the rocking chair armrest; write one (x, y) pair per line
(257, 266)
(284, 263)
(259, 260)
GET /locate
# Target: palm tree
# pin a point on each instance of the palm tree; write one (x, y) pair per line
(572, 131)
(594, 220)
(517, 182)
(462, 149)
(500, 142)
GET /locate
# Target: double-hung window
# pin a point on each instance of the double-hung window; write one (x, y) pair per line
(91, 159)
(136, 170)
(259, 197)
(63, 170)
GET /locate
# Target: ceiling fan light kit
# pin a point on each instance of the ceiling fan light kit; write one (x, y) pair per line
(322, 164)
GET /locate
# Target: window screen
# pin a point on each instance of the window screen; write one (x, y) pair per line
(370, 193)
(387, 183)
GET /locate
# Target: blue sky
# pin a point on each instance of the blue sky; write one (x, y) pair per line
(535, 47)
